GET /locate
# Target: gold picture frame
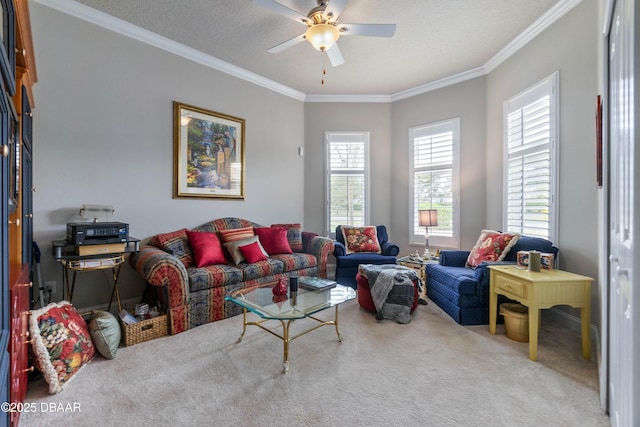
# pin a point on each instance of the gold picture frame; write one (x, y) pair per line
(208, 153)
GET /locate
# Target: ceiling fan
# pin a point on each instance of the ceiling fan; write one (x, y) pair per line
(324, 27)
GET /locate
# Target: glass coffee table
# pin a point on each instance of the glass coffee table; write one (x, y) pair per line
(303, 304)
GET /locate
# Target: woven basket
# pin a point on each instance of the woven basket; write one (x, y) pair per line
(144, 330)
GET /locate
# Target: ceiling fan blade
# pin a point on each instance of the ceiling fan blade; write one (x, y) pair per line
(284, 45)
(334, 8)
(374, 30)
(282, 9)
(335, 56)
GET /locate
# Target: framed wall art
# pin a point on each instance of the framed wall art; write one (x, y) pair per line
(208, 153)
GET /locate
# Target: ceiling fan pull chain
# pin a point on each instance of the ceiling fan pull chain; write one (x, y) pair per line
(324, 67)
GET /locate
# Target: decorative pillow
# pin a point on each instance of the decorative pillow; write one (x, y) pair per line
(491, 246)
(175, 243)
(361, 239)
(294, 235)
(235, 253)
(207, 249)
(61, 343)
(105, 332)
(273, 240)
(252, 252)
(236, 234)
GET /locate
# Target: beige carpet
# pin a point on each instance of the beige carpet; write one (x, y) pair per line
(430, 372)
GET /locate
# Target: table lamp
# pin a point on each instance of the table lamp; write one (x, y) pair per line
(427, 218)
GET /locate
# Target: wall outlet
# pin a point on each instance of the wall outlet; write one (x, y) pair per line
(50, 287)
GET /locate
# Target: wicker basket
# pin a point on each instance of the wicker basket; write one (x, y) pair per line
(144, 330)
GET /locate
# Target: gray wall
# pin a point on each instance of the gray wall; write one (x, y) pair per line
(464, 100)
(374, 118)
(103, 132)
(570, 46)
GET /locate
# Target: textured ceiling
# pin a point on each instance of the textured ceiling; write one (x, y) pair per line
(434, 39)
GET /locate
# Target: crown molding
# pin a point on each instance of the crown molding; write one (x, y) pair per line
(437, 84)
(86, 13)
(127, 29)
(541, 24)
(348, 98)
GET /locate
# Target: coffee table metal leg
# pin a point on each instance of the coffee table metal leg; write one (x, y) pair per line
(285, 339)
(244, 324)
(337, 330)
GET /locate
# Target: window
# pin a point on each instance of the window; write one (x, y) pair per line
(530, 134)
(347, 160)
(434, 161)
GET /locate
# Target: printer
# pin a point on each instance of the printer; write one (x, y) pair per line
(97, 233)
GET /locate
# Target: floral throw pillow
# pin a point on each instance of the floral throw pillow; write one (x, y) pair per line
(491, 246)
(61, 343)
(361, 239)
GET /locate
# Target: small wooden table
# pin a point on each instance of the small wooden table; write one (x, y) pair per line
(538, 290)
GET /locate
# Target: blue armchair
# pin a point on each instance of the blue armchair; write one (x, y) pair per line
(347, 264)
(462, 292)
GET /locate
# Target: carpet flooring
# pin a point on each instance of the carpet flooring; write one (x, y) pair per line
(430, 372)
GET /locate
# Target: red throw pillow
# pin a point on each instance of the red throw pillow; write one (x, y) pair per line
(294, 235)
(207, 249)
(491, 246)
(273, 240)
(252, 252)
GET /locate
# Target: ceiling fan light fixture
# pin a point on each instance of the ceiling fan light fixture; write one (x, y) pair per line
(322, 36)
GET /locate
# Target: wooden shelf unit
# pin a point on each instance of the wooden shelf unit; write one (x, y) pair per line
(16, 227)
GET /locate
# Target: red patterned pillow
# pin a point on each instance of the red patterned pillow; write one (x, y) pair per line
(235, 234)
(175, 243)
(273, 240)
(294, 235)
(207, 249)
(252, 252)
(61, 343)
(361, 239)
(491, 246)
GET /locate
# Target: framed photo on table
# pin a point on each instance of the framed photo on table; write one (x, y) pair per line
(208, 153)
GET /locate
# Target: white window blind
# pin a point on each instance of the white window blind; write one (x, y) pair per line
(347, 159)
(434, 172)
(530, 160)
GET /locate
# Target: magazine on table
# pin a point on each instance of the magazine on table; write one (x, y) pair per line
(313, 283)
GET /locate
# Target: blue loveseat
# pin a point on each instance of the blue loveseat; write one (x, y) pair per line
(347, 264)
(462, 292)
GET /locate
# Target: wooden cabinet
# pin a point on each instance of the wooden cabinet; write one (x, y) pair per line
(17, 76)
(20, 340)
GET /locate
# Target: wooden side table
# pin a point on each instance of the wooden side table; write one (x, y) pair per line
(420, 265)
(539, 290)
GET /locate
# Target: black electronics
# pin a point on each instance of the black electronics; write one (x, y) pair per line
(96, 233)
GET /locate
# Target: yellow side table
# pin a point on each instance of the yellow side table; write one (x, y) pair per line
(539, 290)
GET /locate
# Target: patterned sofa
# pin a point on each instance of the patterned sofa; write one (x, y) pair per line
(193, 296)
